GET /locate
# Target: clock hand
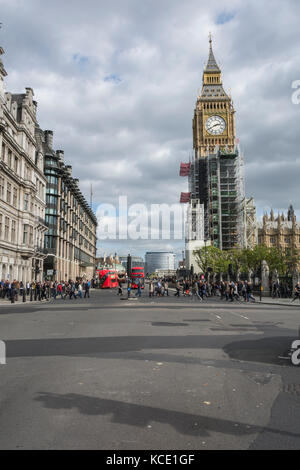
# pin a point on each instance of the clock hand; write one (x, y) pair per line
(217, 124)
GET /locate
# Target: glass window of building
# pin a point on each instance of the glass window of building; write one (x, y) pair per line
(6, 229)
(8, 193)
(13, 231)
(26, 202)
(25, 234)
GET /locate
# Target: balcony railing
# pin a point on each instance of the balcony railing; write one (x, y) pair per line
(41, 250)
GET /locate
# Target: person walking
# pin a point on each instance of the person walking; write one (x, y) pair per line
(87, 289)
(177, 293)
(244, 291)
(227, 291)
(72, 290)
(151, 289)
(296, 292)
(59, 290)
(166, 288)
(54, 290)
(79, 289)
(249, 292)
(194, 290)
(139, 288)
(236, 292)
(120, 291)
(222, 290)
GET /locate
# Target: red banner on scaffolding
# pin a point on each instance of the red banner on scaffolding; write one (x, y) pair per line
(185, 169)
(185, 197)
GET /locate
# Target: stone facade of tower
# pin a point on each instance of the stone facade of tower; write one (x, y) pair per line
(214, 115)
(216, 177)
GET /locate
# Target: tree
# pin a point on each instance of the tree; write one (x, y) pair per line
(292, 260)
(213, 258)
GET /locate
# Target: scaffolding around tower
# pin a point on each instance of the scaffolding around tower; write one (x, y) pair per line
(217, 181)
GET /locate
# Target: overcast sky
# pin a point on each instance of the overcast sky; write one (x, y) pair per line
(117, 82)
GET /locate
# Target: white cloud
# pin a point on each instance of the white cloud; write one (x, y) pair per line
(117, 82)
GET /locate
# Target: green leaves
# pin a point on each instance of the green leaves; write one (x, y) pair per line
(245, 260)
(213, 258)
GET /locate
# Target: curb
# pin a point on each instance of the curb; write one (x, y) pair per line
(279, 304)
(16, 304)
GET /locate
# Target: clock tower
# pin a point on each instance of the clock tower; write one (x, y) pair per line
(216, 177)
(214, 116)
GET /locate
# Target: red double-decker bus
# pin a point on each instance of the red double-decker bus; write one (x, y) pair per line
(108, 278)
(137, 273)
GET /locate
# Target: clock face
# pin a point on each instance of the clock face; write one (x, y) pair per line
(215, 125)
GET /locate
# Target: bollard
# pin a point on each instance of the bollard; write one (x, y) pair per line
(31, 294)
(40, 294)
(35, 294)
(12, 296)
(24, 295)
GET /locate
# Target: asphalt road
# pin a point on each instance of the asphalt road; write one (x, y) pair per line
(162, 373)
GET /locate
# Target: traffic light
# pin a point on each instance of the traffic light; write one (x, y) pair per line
(129, 266)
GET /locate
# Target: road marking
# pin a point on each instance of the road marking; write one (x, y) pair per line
(238, 315)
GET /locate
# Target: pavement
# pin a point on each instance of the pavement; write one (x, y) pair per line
(281, 301)
(156, 373)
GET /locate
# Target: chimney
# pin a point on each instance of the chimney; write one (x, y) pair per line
(49, 138)
(69, 169)
(60, 154)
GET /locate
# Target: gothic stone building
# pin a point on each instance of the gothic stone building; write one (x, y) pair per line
(280, 232)
(22, 187)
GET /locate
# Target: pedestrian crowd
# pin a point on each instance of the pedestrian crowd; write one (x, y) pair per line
(159, 288)
(18, 290)
(229, 291)
(280, 290)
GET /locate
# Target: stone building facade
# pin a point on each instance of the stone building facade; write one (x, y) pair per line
(22, 187)
(71, 237)
(280, 232)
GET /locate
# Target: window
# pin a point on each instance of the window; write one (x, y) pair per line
(8, 193)
(51, 220)
(50, 161)
(15, 197)
(25, 234)
(1, 221)
(1, 187)
(26, 202)
(13, 231)
(272, 240)
(3, 152)
(6, 229)
(9, 157)
(16, 164)
(30, 235)
(52, 179)
(287, 240)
